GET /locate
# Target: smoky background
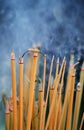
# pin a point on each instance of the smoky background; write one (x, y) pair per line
(57, 25)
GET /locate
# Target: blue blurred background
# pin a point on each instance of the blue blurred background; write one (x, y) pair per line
(57, 24)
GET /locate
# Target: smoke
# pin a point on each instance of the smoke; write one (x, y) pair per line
(59, 26)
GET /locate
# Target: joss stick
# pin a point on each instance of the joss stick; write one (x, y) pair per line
(31, 94)
(51, 120)
(40, 102)
(78, 99)
(54, 96)
(21, 94)
(51, 66)
(26, 87)
(13, 72)
(51, 95)
(33, 116)
(11, 117)
(82, 120)
(57, 68)
(65, 105)
(42, 107)
(18, 112)
(69, 116)
(59, 98)
(36, 116)
(7, 117)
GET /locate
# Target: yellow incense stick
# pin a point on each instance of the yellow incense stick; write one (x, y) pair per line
(31, 95)
(7, 117)
(40, 102)
(54, 96)
(51, 66)
(36, 116)
(11, 117)
(42, 116)
(57, 68)
(59, 98)
(78, 99)
(26, 88)
(69, 116)
(33, 115)
(67, 95)
(13, 71)
(21, 94)
(51, 95)
(82, 120)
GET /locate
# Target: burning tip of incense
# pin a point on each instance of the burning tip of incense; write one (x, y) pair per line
(64, 59)
(44, 55)
(52, 59)
(40, 90)
(78, 86)
(73, 75)
(7, 112)
(58, 60)
(20, 60)
(34, 50)
(12, 55)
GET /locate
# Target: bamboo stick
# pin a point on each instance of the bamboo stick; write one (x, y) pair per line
(13, 71)
(21, 93)
(54, 97)
(31, 95)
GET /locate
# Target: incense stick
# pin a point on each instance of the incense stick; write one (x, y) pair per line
(78, 99)
(7, 117)
(69, 116)
(57, 68)
(31, 95)
(13, 71)
(21, 94)
(82, 120)
(54, 97)
(51, 66)
(67, 95)
(59, 98)
(42, 114)
(26, 88)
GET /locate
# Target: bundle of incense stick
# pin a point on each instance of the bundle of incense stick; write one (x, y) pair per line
(25, 112)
